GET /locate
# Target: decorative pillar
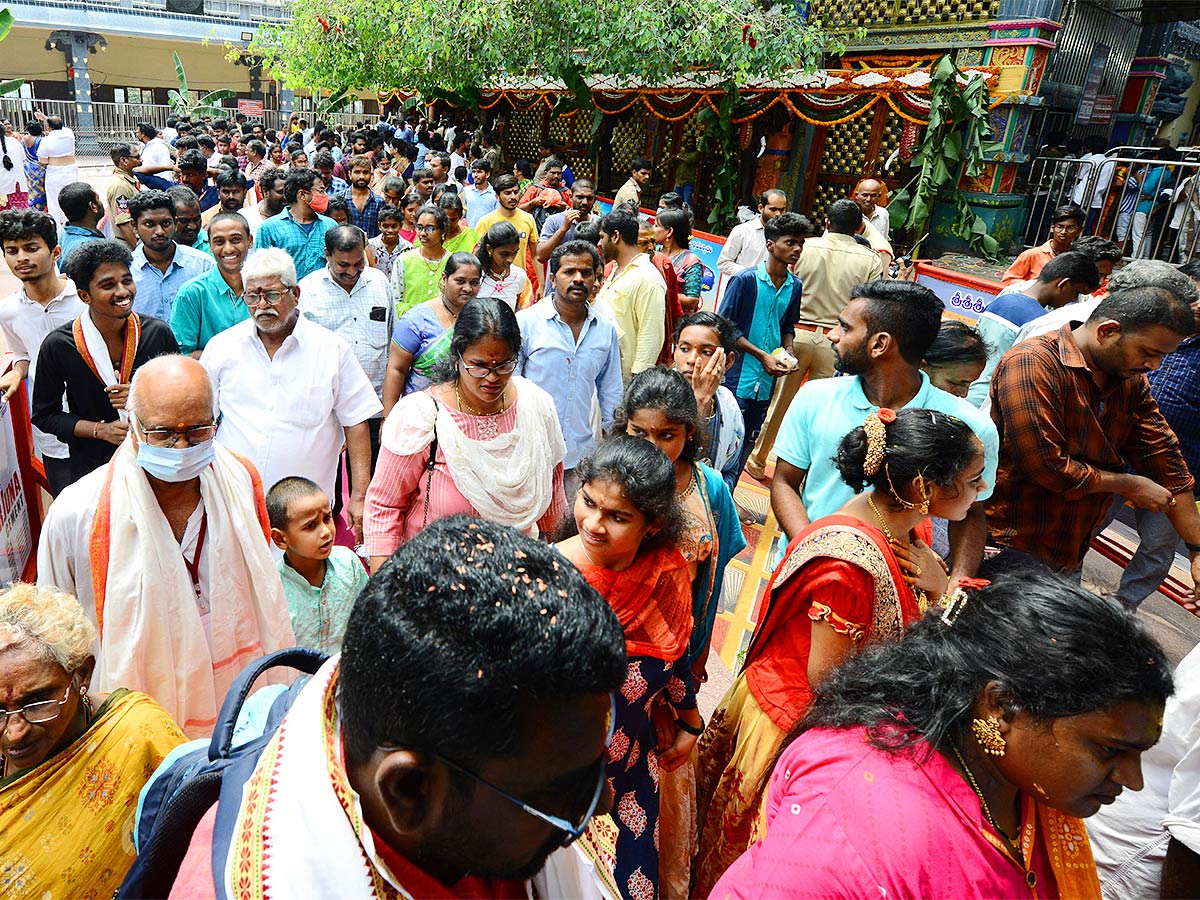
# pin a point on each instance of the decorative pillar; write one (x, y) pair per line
(255, 65)
(1135, 125)
(287, 105)
(1020, 49)
(75, 46)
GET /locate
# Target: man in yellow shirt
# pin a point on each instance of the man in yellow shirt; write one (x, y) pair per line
(634, 294)
(508, 193)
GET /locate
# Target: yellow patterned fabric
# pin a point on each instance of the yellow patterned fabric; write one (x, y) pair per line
(66, 826)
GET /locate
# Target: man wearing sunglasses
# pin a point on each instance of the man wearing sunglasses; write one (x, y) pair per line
(456, 744)
(165, 551)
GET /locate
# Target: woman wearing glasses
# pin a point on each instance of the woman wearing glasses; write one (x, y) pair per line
(417, 272)
(478, 441)
(73, 763)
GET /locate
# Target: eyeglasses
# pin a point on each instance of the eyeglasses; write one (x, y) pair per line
(36, 713)
(263, 298)
(571, 830)
(169, 437)
(505, 368)
(426, 227)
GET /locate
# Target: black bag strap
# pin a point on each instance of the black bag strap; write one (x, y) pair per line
(429, 463)
(307, 661)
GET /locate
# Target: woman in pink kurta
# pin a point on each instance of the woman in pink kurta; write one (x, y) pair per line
(959, 761)
(478, 441)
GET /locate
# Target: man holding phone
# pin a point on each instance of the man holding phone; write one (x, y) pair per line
(353, 300)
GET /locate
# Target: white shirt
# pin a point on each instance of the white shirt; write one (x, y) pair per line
(253, 216)
(157, 153)
(64, 548)
(1130, 837)
(12, 180)
(288, 414)
(881, 219)
(25, 324)
(59, 142)
(746, 247)
(364, 317)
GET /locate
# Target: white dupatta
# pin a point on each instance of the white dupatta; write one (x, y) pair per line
(508, 479)
(151, 635)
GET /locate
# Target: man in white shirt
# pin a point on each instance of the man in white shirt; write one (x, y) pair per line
(190, 593)
(1095, 175)
(157, 170)
(1147, 843)
(353, 301)
(290, 391)
(46, 300)
(867, 194)
(746, 246)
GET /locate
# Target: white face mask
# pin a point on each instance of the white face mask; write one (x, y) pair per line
(176, 464)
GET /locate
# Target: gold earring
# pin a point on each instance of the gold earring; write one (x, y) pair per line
(924, 488)
(988, 736)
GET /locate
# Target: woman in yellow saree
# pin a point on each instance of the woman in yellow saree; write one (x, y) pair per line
(73, 764)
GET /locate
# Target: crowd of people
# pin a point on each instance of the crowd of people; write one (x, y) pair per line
(374, 396)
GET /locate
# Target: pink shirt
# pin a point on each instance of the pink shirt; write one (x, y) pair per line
(845, 819)
(396, 500)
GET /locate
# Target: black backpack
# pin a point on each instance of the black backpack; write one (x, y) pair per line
(177, 797)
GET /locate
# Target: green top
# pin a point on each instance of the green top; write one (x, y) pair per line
(204, 307)
(464, 241)
(319, 614)
(416, 280)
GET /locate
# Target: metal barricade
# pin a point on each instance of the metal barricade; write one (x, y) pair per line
(1149, 207)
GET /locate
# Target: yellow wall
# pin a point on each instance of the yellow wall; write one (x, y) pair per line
(127, 62)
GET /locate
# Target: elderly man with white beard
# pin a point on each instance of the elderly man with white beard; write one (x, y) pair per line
(291, 392)
(166, 548)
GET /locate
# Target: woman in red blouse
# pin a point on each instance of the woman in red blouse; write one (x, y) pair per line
(854, 577)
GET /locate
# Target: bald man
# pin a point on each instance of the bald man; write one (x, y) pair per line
(867, 194)
(166, 549)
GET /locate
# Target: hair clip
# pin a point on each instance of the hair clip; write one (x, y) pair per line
(954, 603)
(876, 432)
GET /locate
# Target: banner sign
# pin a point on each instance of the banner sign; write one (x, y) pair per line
(16, 538)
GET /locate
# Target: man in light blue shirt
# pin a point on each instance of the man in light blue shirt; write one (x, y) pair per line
(161, 266)
(573, 354)
(83, 210)
(480, 197)
(879, 341)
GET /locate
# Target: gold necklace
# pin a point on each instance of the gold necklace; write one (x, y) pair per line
(687, 491)
(987, 813)
(887, 532)
(468, 408)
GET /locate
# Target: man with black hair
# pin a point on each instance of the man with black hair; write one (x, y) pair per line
(46, 300)
(763, 303)
(560, 227)
(1075, 410)
(572, 353)
(423, 183)
(210, 303)
(271, 184)
(1060, 282)
(746, 247)
(193, 172)
(364, 204)
(231, 187)
(322, 161)
(879, 341)
(830, 266)
(472, 711)
(635, 294)
(56, 152)
(1066, 224)
(188, 230)
(354, 301)
(81, 205)
(121, 189)
(631, 190)
(161, 265)
(92, 358)
(300, 228)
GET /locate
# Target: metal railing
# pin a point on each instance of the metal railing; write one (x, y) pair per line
(1149, 207)
(227, 11)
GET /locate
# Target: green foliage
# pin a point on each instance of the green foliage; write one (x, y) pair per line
(6, 21)
(955, 144)
(207, 105)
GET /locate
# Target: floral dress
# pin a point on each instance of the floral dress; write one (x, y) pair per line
(653, 601)
(35, 173)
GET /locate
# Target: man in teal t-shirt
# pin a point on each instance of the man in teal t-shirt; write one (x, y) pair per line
(212, 302)
(879, 341)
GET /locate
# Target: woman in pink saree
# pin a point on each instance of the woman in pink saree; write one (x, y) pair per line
(959, 761)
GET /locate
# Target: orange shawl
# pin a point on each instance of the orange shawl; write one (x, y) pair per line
(653, 601)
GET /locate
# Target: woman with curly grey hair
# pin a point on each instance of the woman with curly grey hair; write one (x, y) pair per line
(73, 763)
